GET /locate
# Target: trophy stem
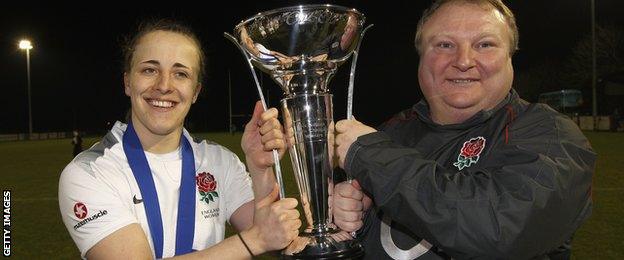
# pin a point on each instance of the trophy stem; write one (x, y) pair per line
(309, 126)
(278, 168)
(310, 117)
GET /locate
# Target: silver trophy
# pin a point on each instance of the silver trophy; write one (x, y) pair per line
(301, 47)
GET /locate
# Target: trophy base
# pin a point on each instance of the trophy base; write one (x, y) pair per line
(324, 246)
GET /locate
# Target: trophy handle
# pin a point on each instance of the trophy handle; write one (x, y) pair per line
(350, 94)
(352, 80)
(352, 74)
(278, 168)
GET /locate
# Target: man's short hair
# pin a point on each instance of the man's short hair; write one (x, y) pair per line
(496, 4)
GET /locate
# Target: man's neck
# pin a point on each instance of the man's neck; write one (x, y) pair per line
(155, 143)
(450, 118)
(445, 115)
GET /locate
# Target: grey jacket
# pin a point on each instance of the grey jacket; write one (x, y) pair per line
(510, 183)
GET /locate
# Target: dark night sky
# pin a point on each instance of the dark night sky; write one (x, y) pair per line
(76, 68)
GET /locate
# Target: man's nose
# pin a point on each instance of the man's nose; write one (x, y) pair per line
(164, 84)
(465, 58)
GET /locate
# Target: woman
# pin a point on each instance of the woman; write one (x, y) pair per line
(149, 190)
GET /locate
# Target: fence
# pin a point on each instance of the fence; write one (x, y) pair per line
(34, 136)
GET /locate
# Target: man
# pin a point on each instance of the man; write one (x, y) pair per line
(76, 143)
(150, 190)
(471, 171)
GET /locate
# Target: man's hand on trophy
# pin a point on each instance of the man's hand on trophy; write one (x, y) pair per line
(263, 133)
(350, 203)
(276, 223)
(347, 131)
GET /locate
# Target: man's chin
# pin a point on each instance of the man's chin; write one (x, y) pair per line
(461, 102)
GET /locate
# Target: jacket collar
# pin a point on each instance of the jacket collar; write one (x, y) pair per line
(422, 110)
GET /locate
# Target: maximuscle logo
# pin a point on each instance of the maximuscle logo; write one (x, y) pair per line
(89, 219)
(6, 223)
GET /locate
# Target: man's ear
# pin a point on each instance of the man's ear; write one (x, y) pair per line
(197, 91)
(126, 81)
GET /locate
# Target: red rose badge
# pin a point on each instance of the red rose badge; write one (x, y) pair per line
(470, 152)
(207, 186)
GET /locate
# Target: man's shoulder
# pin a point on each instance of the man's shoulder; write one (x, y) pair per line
(537, 119)
(403, 117)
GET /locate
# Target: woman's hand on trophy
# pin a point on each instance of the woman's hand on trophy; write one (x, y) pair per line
(349, 205)
(263, 133)
(276, 223)
(347, 131)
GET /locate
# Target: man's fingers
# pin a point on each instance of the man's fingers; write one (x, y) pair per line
(349, 226)
(349, 191)
(348, 204)
(349, 216)
(341, 125)
(341, 139)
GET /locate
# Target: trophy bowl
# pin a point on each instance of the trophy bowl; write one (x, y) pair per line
(290, 43)
(301, 47)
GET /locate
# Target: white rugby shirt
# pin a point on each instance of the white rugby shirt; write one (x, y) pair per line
(98, 193)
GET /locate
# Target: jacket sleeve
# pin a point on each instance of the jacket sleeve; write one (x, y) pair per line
(526, 198)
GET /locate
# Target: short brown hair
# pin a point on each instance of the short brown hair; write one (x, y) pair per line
(496, 4)
(129, 45)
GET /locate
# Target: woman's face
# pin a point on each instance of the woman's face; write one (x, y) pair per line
(162, 82)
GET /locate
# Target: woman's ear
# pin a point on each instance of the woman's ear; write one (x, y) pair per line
(126, 81)
(197, 91)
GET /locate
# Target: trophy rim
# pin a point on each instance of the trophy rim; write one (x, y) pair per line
(295, 7)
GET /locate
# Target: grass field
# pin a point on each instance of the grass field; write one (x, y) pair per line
(30, 169)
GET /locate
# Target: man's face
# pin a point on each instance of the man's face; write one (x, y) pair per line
(465, 64)
(162, 81)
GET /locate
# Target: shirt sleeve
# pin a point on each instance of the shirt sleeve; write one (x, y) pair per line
(90, 207)
(237, 185)
(528, 197)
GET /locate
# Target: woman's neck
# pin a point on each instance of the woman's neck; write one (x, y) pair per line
(156, 143)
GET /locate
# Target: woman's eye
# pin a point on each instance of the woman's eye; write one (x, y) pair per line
(181, 75)
(148, 71)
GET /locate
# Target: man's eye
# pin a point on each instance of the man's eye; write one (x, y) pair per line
(445, 45)
(485, 45)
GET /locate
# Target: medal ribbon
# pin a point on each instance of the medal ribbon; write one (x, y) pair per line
(186, 204)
